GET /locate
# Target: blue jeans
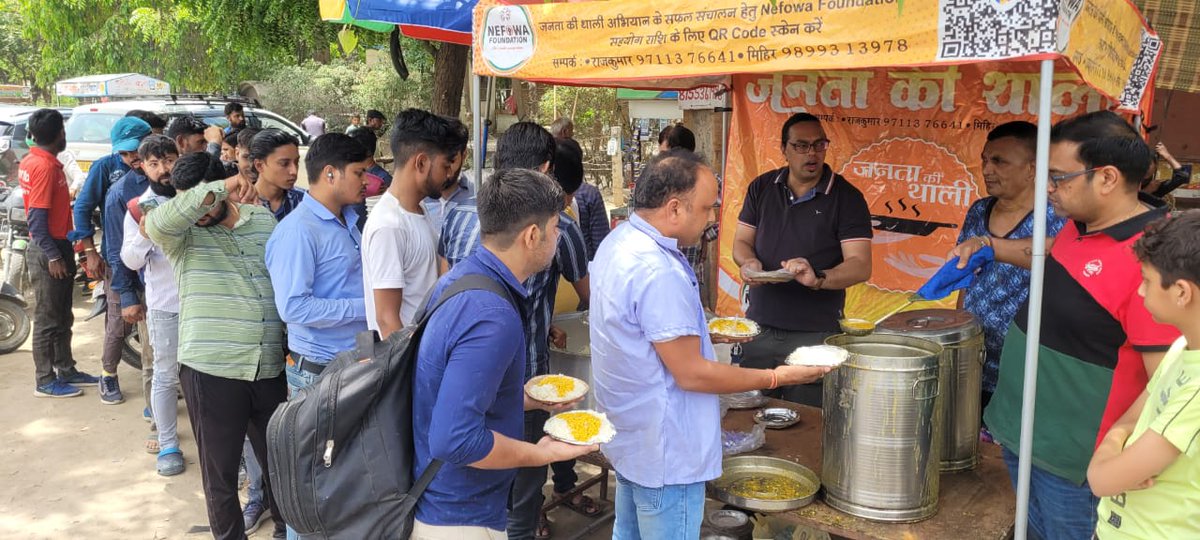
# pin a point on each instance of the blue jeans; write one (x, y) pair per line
(254, 479)
(668, 512)
(296, 379)
(1058, 509)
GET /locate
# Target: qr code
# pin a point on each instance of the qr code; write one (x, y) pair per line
(981, 29)
(1139, 77)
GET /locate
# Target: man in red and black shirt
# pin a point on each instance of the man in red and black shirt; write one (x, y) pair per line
(50, 258)
(810, 221)
(1098, 343)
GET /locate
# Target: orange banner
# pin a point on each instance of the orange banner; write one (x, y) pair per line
(909, 139)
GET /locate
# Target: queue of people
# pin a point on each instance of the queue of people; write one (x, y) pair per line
(249, 287)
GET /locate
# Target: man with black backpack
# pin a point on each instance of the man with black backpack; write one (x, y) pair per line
(468, 397)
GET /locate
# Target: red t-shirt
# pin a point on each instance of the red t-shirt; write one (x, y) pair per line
(45, 185)
(1104, 264)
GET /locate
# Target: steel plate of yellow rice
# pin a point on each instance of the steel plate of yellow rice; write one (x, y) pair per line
(556, 388)
(734, 327)
(581, 427)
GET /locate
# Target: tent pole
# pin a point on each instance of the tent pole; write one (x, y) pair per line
(476, 132)
(1036, 281)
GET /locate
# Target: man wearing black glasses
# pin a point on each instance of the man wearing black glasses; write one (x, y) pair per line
(1099, 345)
(811, 222)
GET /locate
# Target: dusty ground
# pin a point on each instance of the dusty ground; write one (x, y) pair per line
(75, 468)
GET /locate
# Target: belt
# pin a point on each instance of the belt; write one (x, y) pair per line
(306, 364)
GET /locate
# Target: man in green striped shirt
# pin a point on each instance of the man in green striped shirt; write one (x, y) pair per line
(230, 335)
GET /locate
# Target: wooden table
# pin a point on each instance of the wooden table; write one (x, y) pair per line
(976, 504)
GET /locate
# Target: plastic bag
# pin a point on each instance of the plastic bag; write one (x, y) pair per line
(740, 442)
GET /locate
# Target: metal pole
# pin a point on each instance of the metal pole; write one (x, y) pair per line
(1036, 281)
(476, 132)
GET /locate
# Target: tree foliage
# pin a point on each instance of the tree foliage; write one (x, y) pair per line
(197, 45)
(19, 58)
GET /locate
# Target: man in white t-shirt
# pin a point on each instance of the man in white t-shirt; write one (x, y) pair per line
(399, 249)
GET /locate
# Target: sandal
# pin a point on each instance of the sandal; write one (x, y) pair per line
(583, 505)
(152, 443)
(170, 462)
(543, 528)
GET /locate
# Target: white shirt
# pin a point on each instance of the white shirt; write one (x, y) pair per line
(139, 253)
(75, 175)
(399, 251)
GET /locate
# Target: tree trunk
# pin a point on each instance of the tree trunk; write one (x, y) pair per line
(449, 75)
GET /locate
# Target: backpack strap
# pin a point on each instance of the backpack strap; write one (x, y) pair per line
(469, 282)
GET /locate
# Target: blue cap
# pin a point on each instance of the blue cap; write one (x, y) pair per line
(128, 133)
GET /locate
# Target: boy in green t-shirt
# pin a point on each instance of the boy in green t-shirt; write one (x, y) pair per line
(1147, 468)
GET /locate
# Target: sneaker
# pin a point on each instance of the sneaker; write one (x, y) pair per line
(254, 515)
(146, 415)
(110, 390)
(80, 378)
(57, 389)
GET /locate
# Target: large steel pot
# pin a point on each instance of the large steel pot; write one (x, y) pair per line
(883, 424)
(961, 338)
(576, 359)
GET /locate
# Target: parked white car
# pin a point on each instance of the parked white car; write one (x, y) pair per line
(89, 126)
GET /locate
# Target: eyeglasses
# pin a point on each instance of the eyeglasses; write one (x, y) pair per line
(1056, 179)
(804, 148)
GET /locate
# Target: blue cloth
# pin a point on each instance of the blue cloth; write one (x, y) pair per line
(468, 383)
(664, 513)
(101, 175)
(460, 233)
(950, 277)
(316, 270)
(125, 282)
(644, 292)
(571, 262)
(999, 289)
(1058, 508)
(593, 217)
(291, 200)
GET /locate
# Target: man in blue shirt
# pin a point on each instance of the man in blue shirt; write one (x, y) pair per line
(315, 263)
(158, 154)
(126, 135)
(276, 158)
(654, 370)
(468, 383)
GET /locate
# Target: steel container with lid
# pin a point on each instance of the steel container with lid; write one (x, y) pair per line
(883, 421)
(961, 338)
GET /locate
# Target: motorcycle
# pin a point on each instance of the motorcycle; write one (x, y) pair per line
(15, 324)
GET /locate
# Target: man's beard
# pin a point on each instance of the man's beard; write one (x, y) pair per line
(162, 189)
(220, 217)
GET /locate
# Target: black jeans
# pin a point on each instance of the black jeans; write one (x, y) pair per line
(564, 476)
(223, 412)
(525, 500)
(52, 316)
(771, 348)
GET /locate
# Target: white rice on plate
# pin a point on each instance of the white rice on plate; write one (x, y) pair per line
(541, 389)
(818, 355)
(559, 428)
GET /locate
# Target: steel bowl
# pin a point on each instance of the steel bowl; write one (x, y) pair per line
(856, 327)
(738, 467)
(777, 417)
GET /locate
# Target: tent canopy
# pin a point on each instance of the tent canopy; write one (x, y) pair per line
(112, 85)
(433, 20)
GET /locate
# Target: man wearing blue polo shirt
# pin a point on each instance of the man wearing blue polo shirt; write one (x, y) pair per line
(653, 365)
(315, 263)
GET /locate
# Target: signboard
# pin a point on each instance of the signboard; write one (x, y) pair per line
(601, 42)
(908, 139)
(702, 98)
